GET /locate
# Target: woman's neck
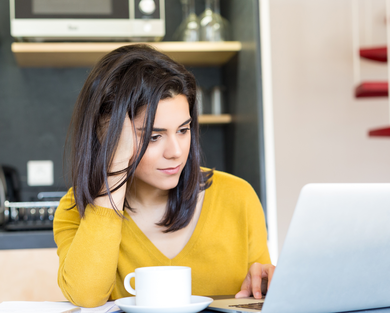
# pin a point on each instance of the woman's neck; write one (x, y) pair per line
(146, 197)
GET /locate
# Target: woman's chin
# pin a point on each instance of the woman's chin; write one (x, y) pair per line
(168, 184)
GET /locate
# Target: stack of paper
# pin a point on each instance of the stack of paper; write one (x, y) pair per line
(52, 307)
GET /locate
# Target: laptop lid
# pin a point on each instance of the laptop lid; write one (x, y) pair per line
(336, 256)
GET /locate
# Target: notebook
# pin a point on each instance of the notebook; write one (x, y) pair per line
(336, 255)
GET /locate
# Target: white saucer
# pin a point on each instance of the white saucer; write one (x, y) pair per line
(197, 304)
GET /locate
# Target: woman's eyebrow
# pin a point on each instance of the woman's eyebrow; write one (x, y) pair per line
(186, 122)
(164, 129)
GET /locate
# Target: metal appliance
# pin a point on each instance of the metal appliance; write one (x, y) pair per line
(29, 215)
(97, 20)
(17, 215)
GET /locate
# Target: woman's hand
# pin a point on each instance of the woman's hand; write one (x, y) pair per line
(256, 281)
(120, 161)
(125, 148)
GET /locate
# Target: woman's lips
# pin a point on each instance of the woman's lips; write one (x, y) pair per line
(170, 170)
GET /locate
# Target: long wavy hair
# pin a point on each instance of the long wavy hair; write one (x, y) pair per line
(122, 83)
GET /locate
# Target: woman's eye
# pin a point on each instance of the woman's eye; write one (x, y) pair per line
(154, 138)
(183, 130)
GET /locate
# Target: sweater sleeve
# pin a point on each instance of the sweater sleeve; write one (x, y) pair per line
(257, 230)
(88, 251)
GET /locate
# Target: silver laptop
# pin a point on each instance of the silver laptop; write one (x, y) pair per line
(336, 256)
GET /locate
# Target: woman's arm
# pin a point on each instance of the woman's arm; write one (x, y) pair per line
(260, 270)
(88, 248)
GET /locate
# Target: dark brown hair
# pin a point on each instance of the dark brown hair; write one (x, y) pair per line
(122, 83)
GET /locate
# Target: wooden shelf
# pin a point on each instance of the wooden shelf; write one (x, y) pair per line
(372, 89)
(215, 119)
(375, 54)
(86, 54)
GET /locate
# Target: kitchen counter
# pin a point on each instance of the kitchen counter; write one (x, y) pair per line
(36, 239)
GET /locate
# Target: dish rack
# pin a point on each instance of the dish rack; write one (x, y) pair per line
(29, 215)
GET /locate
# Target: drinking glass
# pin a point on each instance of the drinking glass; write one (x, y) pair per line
(213, 26)
(222, 20)
(189, 28)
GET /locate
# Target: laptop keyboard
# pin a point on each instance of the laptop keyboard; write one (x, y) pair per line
(252, 306)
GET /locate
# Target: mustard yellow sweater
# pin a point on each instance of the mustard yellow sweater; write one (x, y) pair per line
(98, 251)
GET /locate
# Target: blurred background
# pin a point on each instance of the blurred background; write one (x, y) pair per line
(321, 127)
(323, 99)
(219, 42)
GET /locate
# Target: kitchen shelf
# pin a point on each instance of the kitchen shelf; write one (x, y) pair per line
(375, 54)
(380, 132)
(215, 119)
(372, 89)
(86, 54)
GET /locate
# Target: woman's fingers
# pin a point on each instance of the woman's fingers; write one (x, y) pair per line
(257, 274)
(256, 271)
(245, 288)
(271, 271)
(125, 148)
(120, 161)
(243, 294)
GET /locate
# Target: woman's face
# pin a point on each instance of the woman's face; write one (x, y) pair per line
(169, 145)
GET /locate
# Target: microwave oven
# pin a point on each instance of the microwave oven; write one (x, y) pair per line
(91, 20)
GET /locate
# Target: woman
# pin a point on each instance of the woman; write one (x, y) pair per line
(139, 196)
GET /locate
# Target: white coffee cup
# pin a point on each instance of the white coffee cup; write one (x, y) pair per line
(161, 286)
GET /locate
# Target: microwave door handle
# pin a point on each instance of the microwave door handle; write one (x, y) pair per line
(2, 199)
(3, 187)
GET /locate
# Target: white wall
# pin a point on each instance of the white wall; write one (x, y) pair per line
(320, 128)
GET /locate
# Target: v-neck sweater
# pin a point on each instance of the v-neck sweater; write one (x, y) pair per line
(97, 251)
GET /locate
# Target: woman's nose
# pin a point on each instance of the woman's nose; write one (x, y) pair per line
(173, 149)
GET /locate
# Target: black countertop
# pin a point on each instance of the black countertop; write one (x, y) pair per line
(35, 239)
